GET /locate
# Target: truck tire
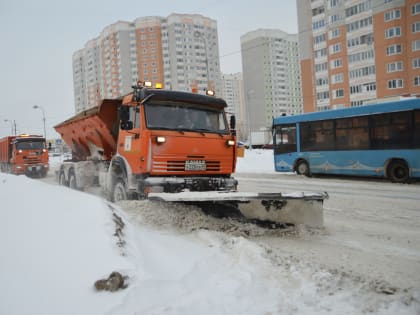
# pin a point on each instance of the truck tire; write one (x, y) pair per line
(72, 181)
(119, 191)
(62, 179)
(302, 168)
(398, 172)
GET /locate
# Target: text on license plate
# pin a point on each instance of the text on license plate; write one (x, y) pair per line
(195, 165)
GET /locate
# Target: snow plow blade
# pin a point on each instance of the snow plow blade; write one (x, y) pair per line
(295, 208)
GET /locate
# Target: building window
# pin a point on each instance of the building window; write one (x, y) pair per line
(394, 67)
(322, 95)
(333, 3)
(320, 53)
(335, 48)
(336, 63)
(334, 18)
(415, 9)
(339, 93)
(318, 24)
(359, 8)
(417, 81)
(317, 11)
(321, 67)
(395, 84)
(319, 39)
(415, 27)
(334, 33)
(355, 89)
(415, 45)
(337, 78)
(394, 49)
(393, 32)
(392, 15)
(322, 81)
(416, 63)
(362, 72)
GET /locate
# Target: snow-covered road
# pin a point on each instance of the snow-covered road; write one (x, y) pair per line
(372, 228)
(365, 260)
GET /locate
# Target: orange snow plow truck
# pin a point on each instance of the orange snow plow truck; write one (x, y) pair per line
(170, 146)
(24, 154)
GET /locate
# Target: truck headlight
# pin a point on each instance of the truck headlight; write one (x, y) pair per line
(160, 139)
(230, 143)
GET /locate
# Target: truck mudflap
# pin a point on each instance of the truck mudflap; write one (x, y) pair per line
(290, 208)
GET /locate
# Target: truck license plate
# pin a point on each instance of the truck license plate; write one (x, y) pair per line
(195, 165)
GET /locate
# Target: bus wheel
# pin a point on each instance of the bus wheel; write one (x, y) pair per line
(302, 168)
(398, 172)
(119, 191)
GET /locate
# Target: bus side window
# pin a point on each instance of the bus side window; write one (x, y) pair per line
(416, 139)
(285, 139)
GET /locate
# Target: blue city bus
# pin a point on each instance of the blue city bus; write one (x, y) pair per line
(373, 140)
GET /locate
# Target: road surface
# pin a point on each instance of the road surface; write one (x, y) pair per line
(372, 227)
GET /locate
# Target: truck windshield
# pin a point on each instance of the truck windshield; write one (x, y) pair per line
(184, 117)
(30, 145)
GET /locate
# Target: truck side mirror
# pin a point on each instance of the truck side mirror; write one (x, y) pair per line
(126, 125)
(124, 112)
(232, 122)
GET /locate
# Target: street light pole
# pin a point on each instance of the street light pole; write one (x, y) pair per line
(43, 118)
(248, 110)
(200, 35)
(12, 125)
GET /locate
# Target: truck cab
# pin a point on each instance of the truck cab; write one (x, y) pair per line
(171, 141)
(25, 154)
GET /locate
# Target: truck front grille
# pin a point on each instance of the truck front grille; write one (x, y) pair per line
(32, 159)
(179, 166)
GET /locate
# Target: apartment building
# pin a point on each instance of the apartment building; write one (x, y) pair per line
(355, 52)
(271, 75)
(233, 94)
(180, 51)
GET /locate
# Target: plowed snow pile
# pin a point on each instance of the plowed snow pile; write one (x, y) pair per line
(308, 286)
(188, 218)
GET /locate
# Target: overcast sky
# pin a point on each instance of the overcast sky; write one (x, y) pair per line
(39, 37)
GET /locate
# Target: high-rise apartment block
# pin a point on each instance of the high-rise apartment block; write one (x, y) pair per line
(271, 74)
(180, 51)
(355, 52)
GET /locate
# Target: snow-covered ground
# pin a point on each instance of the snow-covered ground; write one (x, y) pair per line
(56, 242)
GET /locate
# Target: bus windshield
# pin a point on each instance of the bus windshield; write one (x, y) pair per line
(184, 117)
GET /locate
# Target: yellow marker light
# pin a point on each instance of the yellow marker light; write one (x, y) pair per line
(160, 139)
(230, 143)
(158, 85)
(210, 93)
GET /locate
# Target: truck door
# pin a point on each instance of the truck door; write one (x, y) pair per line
(130, 140)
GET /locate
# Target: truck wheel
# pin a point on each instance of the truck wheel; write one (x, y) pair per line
(119, 192)
(302, 168)
(72, 181)
(398, 172)
(62, 180)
